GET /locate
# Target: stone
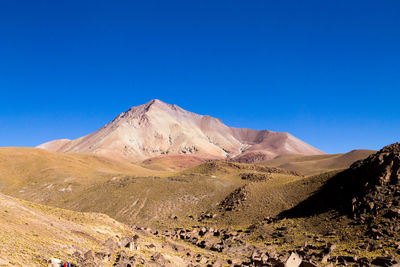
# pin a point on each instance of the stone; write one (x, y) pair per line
(158, 258)
(54, 262)
(217, 247)
(294, 260)
(89, 255)
(383, 261)
(203, 231)
(308, 264)
(111, 244)
(325, 258)
(345, 259)
(258, 258)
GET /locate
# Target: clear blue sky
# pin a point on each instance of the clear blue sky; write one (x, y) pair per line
(326, 71)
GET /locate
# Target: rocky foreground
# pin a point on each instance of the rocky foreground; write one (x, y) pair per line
(206, 246)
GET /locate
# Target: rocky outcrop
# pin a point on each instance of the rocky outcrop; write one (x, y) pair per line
(234, 199)
(256, 177)
(252, 157)
(369, 188)
(377, 180)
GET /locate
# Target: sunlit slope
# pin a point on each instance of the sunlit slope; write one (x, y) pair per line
(190, 193)
(309, 165)
(36, 174)
(32, 233)
(140, 196)
(132, 194)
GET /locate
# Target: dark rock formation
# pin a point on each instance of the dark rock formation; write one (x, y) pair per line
(370, 187)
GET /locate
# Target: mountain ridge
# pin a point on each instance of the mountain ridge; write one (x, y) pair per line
(157, 128)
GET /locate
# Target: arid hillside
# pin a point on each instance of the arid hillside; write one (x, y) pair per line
(35, 235)
(23, 168)
(310, 165)
(217, 212)
(149, 194)
(130, 193)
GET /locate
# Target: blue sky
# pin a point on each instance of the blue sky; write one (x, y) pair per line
(326, 71)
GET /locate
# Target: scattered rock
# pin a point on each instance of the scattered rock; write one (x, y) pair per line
(256, 177)
(234, 199)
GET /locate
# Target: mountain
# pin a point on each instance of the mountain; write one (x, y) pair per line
(157, 128)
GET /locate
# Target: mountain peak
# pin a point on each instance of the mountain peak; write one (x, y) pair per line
(155, 102)
(157, 128)
(144, 108)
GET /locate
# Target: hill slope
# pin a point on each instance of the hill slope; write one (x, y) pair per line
(157, 128)
(222, 210)
(42, 225)
(41, 175)
(32, 234)
(310, 165)
(130, 193)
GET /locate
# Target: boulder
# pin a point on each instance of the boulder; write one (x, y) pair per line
(258, 258)
(54, 262)
(111, 244)
(383, 261)
(294, 260)
(203, 231)
(308, 264)
(89, 256)
(130, 242)
(159, 259)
